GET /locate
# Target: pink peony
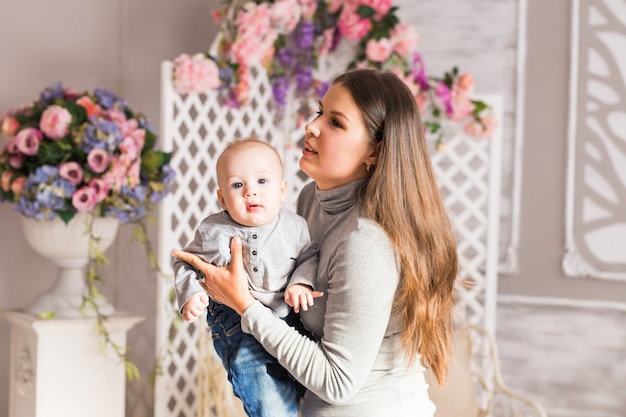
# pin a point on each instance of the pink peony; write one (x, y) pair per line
(404, 38)
(27, 141)
(100, 188)
(71, 171)
(98, 160)
(378, 51)
(84, 199)
(55, 122)
(195, 74)
(10, 126)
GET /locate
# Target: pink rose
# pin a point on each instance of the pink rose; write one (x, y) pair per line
(309, 7)
(115, 177)
(100, 188)
(461, 105)
(10, 126)
(16, 161)
(378, 51)
(481, 129)
(381, 7)
(334, 5)
(195, 74)
(27, 141)
(17, 186)
(98, 160)
(71, 171)
(55, 122)
(84, 199)
(129, 149)
(92, 108)
(285, 15)
(5, 180)
(404, 38)
(466, 82)
(133, 173)
(351, 25)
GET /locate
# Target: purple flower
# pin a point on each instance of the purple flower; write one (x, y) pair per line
(280, 86)
(304, 34)
(52, 93)
(285, 57)
(109, 100)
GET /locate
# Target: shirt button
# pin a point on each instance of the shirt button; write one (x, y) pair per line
(254, 252)
(254, 236)
(255, 269)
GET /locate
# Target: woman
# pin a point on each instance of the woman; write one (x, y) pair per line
(387, 259)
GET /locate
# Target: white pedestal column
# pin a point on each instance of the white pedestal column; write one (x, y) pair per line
(60, 369)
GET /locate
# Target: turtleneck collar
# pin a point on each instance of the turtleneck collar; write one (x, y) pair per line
(337, 200)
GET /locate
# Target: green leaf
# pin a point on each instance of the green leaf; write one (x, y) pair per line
(365, 11)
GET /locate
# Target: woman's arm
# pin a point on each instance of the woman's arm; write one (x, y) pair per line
(227, 285)
(358, 306)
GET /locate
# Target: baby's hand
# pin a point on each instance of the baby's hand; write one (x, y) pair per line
(195, 306)
(300, 296)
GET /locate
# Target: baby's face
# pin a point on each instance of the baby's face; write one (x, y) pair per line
(251, 185)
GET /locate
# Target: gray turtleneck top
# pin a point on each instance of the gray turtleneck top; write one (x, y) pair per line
(355, 366)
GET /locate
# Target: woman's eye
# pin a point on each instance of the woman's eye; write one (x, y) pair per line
(262, 181)
(336, 123)
(318, 113)
(237, 185)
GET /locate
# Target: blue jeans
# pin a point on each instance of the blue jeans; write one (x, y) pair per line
(265, 388)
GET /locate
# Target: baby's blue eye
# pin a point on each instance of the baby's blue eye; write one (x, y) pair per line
(237, 185)
(262, 181)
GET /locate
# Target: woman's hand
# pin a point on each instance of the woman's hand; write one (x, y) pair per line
(227, 285)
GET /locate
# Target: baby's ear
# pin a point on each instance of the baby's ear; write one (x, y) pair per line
(283, 191)
(220, 198)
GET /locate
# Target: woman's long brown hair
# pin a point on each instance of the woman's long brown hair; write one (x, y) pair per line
(402, 195)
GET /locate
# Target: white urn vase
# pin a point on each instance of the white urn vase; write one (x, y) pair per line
(68, 246)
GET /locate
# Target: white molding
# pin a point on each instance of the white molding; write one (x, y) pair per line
(561, 302)
(571, 263)
(510, 264)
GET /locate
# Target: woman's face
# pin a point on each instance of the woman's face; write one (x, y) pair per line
(336, 146)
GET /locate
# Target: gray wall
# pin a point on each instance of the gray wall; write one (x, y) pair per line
(120, 44)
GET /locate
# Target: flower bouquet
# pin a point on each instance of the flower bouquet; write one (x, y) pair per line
(290, 38)
(71, 152)
(78, 163)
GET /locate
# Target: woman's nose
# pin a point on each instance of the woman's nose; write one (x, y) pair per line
(311, 129)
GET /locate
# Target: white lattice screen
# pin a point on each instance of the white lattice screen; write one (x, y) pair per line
(196, 128)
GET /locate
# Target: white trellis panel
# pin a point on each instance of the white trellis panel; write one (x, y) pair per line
(197, 127)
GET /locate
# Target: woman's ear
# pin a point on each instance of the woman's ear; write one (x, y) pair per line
(372, 158)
